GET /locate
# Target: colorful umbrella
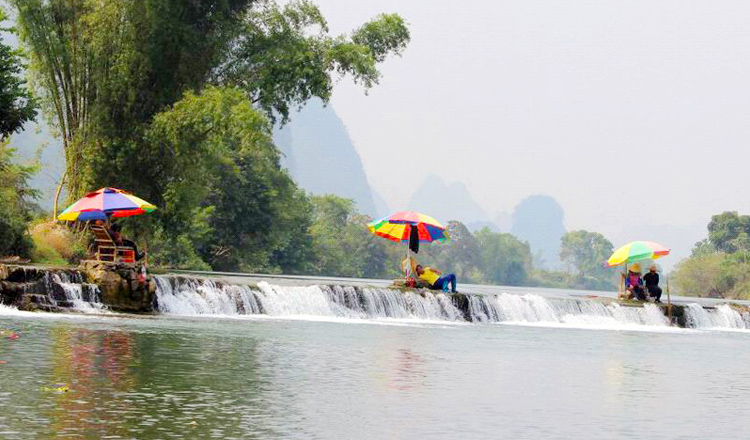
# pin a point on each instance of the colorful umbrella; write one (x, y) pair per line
(637, 251)
(106, 201)
(398, 227)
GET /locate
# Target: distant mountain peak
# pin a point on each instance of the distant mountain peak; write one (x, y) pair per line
(446, 202)
(538, 219)
(322, 158)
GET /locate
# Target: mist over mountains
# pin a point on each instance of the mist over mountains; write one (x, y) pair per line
(322, 159)
(538, 219)
(446, 201)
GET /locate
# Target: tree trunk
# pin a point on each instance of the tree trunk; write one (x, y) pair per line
(57, 195)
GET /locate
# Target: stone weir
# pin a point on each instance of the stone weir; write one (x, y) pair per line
(96, 286)
(92, 286)
(182, 295)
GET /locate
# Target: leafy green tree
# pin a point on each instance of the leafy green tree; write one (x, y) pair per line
(343, 246)
(586, 252)
(284, 55)
(701, 275)
(728, 232)
(16, 203)
(505, 259)
(106, 67)
(16, 104)
(720, 264)
(219, 183)
(703, 247)
(460, 255)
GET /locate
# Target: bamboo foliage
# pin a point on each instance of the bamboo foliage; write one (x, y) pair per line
(54, 34)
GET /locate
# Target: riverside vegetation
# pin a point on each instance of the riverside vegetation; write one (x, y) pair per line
(175, 101)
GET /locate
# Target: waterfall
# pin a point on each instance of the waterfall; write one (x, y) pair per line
(192, 296)
(532, 308)
(186, 296)
(199, 297)
(79, 295)
(723, 317)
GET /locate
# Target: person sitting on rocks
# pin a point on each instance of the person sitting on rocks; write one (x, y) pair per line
(634, 284)
(434, 279)
(652, 283)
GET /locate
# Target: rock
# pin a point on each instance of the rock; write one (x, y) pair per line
(120, 285)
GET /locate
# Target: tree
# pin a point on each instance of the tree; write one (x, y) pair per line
(505, 259)
(106, 67)
(219, 184)
(700, 275)
(728, 232)
(460, 254)
(587, 252)
(16, 104)
(703, 247)
(343, 246)
(284, 55)
(16, 203)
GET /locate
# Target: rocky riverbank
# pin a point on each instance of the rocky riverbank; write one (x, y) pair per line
(119, 287)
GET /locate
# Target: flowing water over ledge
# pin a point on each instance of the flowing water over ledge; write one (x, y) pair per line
(189, 296)
(192, 296)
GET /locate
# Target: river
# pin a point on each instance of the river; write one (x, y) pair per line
(312, 369)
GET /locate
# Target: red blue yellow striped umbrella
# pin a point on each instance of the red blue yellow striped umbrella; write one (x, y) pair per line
(105, 202)
(397, 227)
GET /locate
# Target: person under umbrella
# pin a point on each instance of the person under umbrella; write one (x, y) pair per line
(116, 231)
(652, 283)
(634, 283)
(435, 280)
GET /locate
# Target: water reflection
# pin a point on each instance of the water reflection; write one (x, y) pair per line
(410, 370)
(163, 378)
(95, 365)
(125, 384)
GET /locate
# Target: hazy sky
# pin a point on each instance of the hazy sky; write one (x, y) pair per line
(634, 115)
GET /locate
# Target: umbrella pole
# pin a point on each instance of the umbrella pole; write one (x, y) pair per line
(408, 262)
(669, 304)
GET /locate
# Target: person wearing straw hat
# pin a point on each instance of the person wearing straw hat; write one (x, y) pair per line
(634, 283)
(652, 283)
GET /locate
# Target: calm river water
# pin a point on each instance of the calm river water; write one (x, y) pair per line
(266, 378)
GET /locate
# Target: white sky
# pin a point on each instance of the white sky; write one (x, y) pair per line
(634, 115)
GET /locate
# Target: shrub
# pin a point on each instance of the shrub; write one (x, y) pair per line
(56, 244)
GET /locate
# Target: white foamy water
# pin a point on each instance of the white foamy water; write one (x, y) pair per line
(338, 303)
(205, 297)
(535, 310)
(73, 286)
(723, 317)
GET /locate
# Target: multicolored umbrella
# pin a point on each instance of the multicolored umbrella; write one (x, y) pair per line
(106, 202)
(637, 251)
(398, 227)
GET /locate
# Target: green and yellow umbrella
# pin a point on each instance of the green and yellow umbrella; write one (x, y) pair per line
(637, 251)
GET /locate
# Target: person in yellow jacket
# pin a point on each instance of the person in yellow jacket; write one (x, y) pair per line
(434, 279)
